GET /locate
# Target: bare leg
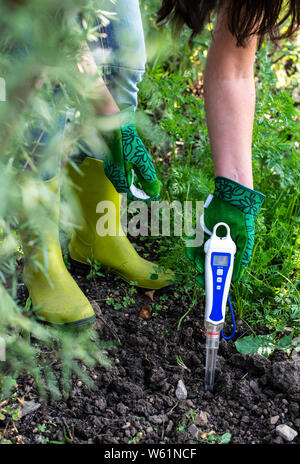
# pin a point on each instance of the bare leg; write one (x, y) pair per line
(229, 93)
(102, 99)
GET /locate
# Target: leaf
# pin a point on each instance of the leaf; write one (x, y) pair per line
(260, 344)
(211, 434)
(21, 401)
(145, 312)
(285, 343)
(225, 438)
(150, 294)
(264, 345)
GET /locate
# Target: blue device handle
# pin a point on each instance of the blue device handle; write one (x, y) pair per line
(219, 275)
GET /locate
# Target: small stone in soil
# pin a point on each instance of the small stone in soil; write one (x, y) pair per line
(286, 432)
(245, 419)
(181, 392)
(274, 420)
(193, 430)
(157, 419)
(254, 387)
(201, 418)
(169, 426)
(29, 407)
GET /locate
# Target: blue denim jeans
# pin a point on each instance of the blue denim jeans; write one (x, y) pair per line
(120, 51)
(39, 138)
(120, 54)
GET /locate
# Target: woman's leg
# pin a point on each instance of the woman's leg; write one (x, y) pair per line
(229, 93)
(121, 55)
(120, 51)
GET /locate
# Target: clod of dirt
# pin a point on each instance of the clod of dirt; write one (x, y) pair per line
(285, 376)
(259, 364)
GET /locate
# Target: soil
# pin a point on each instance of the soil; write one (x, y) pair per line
(135, 401)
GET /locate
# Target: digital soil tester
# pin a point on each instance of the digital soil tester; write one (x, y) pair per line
(219, 260)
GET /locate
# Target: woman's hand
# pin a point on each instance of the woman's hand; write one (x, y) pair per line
(129, 166)
(237, 206)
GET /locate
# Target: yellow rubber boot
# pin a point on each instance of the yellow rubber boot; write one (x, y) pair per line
(54, 293)
(113, 250)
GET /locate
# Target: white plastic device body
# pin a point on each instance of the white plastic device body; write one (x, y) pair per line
(219, 261)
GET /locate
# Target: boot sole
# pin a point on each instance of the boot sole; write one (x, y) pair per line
(81, 323)
(87, 321)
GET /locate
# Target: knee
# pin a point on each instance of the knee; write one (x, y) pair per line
(131, 52)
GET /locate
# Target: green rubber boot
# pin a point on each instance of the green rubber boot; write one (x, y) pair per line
(113, 250)
(55, 296)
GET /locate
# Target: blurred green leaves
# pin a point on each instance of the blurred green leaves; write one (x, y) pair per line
(172, 98)
(40, 46)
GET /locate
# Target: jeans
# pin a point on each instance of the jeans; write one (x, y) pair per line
(41, 141)
(120, 53)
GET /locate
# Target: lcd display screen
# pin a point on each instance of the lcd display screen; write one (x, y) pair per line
(220, 260)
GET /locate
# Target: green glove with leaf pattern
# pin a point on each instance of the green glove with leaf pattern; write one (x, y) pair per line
(237, 206)
(129, 166)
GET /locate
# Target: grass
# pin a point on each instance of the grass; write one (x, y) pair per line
(173, 122)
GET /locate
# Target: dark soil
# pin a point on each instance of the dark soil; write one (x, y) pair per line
(135, 401)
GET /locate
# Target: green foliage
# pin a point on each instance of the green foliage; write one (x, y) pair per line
(174, 123)
(95, 270)
(30, 346)
(269, 292)
(39, 49)
(213, 438)
(265, 345)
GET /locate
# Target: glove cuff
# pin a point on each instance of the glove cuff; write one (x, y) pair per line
(245, 199)
(115, 121)
(127, 116)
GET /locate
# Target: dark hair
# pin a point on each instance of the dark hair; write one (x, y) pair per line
(245, 17)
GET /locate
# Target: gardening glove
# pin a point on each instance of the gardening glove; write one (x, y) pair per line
(129, 166)
(237, 206)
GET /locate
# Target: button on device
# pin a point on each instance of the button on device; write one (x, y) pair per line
(219, 271)
(218, 287)
(219, 279)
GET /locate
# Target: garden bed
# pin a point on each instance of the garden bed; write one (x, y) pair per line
(136, 402)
